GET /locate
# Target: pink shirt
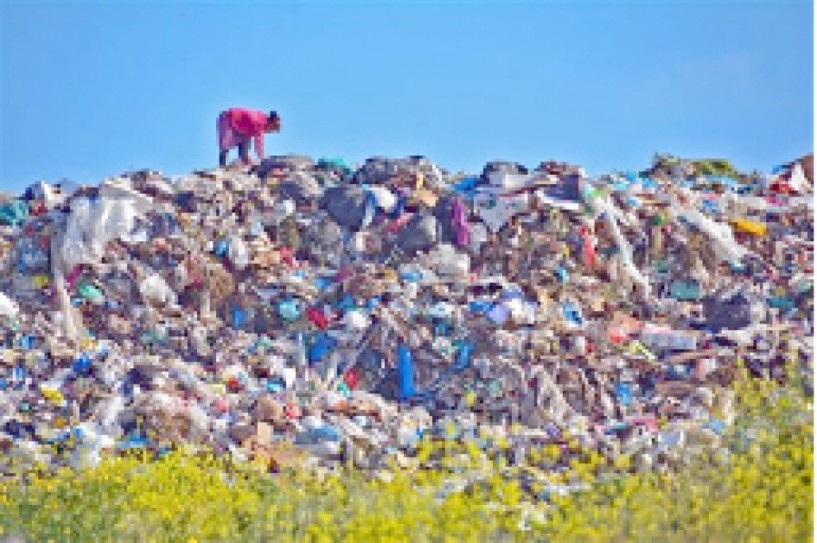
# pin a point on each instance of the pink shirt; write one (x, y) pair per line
(248, 123)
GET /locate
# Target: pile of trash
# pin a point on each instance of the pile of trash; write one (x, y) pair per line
(311, 312)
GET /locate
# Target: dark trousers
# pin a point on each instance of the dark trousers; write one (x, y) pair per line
(243, 153)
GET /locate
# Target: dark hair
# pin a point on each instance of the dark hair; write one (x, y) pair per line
(273, 116)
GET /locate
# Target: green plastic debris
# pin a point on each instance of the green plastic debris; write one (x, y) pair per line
(660, 266)
(13, 213)
(90, 292)
(781, 302)
(685, 290)
(334, 163)
(264, 342)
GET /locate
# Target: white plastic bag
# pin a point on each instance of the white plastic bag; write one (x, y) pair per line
(72, 324)
(356, 321)
(726, 248)
(496, 210)
(385, 199)
(238, 253)
(8, 307)
(611, 214)
(155, 289)
(448, 261)
(91, 226)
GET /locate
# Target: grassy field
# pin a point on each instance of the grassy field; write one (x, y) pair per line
(755, 487)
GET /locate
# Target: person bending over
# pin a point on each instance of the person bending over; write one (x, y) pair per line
(238, 126)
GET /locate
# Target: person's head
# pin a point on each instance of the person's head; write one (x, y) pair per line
(273, 122)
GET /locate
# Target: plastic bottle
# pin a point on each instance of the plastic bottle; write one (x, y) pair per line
(405, 373)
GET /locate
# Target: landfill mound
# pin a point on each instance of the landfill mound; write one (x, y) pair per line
(304, 311)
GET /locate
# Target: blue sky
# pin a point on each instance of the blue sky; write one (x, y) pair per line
(89, 90)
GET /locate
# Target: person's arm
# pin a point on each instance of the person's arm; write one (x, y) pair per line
(259, 146)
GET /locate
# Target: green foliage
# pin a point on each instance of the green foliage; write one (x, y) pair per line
(716, 167)
(756, 486)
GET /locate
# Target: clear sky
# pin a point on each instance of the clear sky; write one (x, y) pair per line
(90, 90)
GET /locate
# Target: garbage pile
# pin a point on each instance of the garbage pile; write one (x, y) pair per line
(310, 312)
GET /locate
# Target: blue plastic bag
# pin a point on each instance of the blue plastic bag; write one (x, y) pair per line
(624, 393)
(463, 357)
(498, 314)
(322, 283)
(465, 185)
(716, 426)
(572, 314)
(289, 310)
(479, 307)
(322, 345)
(82, 364)
(276, 385)
(239, 317)
(411, 277)
(221, 248)
(26, 342)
